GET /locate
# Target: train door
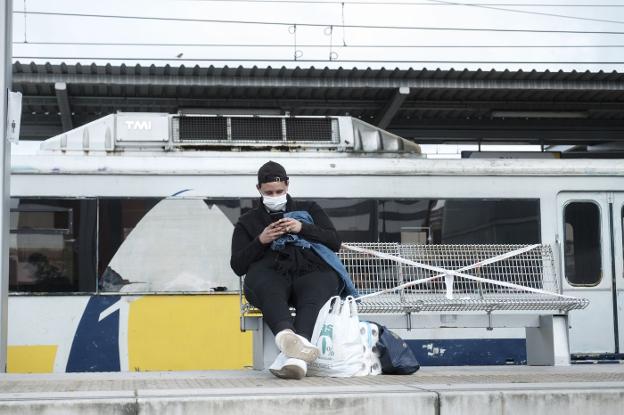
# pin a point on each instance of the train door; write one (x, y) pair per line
(617, 215)
(590, 239)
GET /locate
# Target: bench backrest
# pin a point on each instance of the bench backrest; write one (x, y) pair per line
(534, 269)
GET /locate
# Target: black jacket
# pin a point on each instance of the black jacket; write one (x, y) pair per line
(247, 248)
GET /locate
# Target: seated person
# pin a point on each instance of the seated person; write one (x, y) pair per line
(281, 275)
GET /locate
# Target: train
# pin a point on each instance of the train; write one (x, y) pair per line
(120, 234)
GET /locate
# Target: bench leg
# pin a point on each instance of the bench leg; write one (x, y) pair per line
(264, 349)
(258, 346)
(548, 344)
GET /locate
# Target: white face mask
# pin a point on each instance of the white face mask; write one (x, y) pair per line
(274, 203)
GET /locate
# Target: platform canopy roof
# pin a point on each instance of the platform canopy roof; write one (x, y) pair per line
(428, 106)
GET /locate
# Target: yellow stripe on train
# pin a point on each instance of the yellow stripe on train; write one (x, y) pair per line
(187, 333)
(31, 359)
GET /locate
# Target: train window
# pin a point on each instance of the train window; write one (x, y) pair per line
(354, 219)
(167, 245)
(583, 263)
(117, 218)
(52, 245)
(459, 221)
(174, 245)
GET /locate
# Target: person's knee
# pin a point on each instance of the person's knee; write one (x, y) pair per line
(263, 294)
(317, 286)
(262, 281)
(250, 295)
(312, 299)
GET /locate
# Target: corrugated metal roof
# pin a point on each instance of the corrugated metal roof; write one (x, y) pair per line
(436, 97)
(312, 72)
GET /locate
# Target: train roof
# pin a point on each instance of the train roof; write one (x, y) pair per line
(175, 144)
(134, 132)
(302, 164)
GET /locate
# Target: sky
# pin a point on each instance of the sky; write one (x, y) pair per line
(174, 39)
(180, 32)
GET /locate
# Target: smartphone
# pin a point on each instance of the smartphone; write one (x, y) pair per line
(275, 216)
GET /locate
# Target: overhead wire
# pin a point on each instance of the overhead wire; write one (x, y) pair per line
(311, 45)
(589, 19)
(322, 46)
(25, 23)
(407, 3)
(351, 26)
(213, 59)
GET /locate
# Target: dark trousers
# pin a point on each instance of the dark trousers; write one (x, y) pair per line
(273, 293)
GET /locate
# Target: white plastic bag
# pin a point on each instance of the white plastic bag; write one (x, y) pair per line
(337, 335)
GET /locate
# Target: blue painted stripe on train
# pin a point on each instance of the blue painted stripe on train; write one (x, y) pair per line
(459, 352)
(96, 343)
(179, 192)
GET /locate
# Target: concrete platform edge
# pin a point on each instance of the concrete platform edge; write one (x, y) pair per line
(396, 399)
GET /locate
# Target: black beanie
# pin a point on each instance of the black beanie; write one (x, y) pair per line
(271, 172)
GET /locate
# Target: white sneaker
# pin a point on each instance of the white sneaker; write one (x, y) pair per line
(294, 345)
(288, 368)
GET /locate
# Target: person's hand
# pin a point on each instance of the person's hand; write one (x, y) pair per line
(271, 232)
(291, 225)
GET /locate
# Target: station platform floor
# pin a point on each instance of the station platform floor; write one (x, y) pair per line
(578, 389)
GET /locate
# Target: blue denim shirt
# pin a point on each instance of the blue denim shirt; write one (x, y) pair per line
(321, 250)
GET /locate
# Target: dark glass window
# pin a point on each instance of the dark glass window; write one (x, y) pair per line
(459, 221)
(406, 221)
(354, 219)
(117, 218)
(167, 245)
(52, 245)
(583, 263)
(173, 245)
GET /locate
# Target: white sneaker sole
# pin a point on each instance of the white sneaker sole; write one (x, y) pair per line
(292, 345)
(289, 372)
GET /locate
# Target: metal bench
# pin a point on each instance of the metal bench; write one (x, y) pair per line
(452, 286)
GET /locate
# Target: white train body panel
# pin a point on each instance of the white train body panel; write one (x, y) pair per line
(117, 157)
